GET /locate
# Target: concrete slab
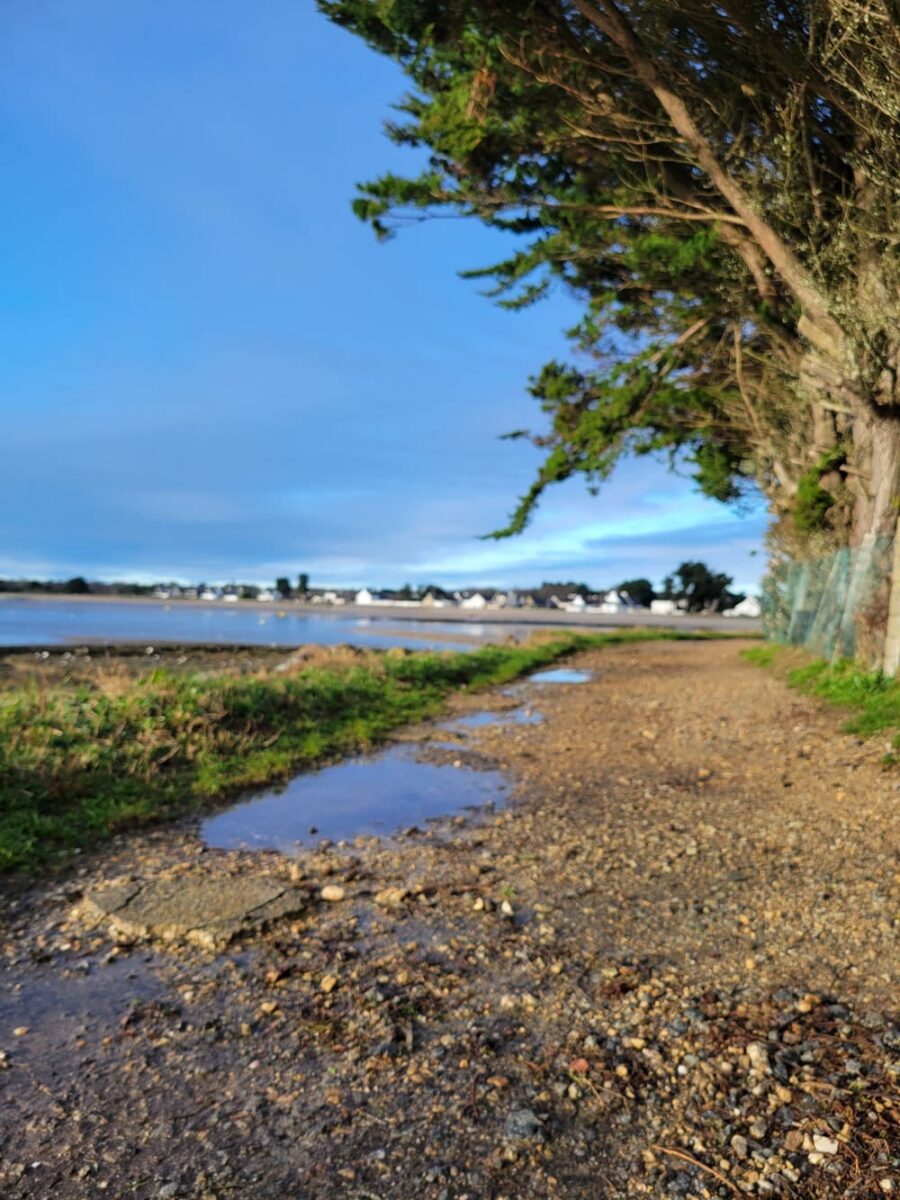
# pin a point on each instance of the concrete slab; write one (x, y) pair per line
(206, 910)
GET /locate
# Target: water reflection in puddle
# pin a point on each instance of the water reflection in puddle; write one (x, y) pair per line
(376, 795)
(560, 675)
(512, 716)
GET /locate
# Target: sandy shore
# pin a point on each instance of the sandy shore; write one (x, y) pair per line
(665, 970)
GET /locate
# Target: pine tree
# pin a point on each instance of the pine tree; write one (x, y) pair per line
(720, 187)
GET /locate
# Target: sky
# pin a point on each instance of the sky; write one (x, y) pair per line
(209, 369)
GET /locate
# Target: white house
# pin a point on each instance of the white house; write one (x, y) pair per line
(265, 594)
(209, 594)
(575, 604)
(231, 597)
(363, 596)
(474, 601)
(748, 607)
(616, 602)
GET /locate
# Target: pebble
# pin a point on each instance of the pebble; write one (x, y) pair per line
(759, 1056)
(824, 1145)
(522, 1123)
(332, 892)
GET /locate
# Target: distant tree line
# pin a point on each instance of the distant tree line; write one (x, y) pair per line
(693, 585)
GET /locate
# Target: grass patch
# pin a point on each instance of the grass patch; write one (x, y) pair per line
(873, 698)
(79, 762)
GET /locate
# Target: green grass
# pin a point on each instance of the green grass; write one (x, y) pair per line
(79, 762)
(872, 698)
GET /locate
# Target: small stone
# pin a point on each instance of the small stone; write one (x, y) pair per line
(758, 1130)
(329, 983)
(522, 1123)
(740, 1145)
(391, 897)
(579, 1066)
(758, 1055)
(332, 892)
(506, 908)
(824, 1145)
(20, 1031)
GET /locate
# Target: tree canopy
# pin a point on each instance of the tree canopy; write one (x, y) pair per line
(639, 590)
(700, 589)
(719, 185)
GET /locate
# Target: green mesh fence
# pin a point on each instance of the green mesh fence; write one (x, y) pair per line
(834, 606)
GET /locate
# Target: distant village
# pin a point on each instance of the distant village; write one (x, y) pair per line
(694, 590)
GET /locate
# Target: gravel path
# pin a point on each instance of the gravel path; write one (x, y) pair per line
(666, 970)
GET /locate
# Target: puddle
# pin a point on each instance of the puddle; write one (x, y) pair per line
(477, 720)
(560, 675)
(63, 1007)
(363, 796)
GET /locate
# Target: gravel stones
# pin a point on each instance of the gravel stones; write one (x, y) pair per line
(607, 1042)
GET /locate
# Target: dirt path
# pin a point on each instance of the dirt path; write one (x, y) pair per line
(663, 972)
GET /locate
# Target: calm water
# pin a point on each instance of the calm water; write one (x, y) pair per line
(376, 795)
(560, 675)
(509, 716)
(52, 622)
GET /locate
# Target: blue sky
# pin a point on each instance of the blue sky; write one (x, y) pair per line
(210, 369)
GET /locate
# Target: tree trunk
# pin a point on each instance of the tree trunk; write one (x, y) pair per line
(873, 584)
(891, 663)
(846, 603)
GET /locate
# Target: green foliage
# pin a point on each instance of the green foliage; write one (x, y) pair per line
(283, 585)
(812, 502)
(640, 590)
(700, 588)
(540, 122)
(78, 763)
(303, 583)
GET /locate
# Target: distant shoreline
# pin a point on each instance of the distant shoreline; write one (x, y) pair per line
(390, 612)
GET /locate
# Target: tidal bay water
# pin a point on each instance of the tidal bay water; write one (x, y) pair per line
(32, 621)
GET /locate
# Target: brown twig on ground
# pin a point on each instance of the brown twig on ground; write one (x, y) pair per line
(696, 1163)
